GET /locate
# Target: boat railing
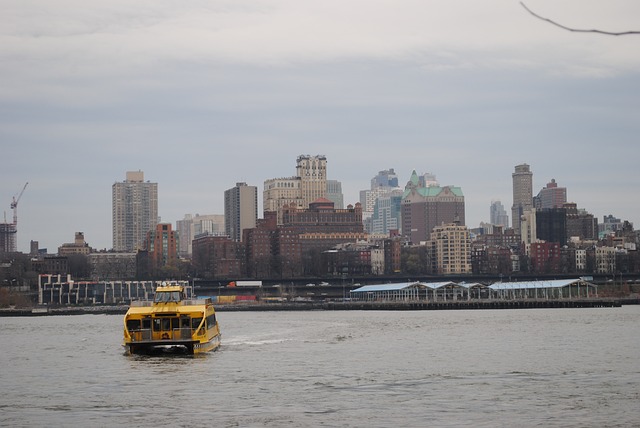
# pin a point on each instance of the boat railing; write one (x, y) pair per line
(141, 335)
(141, 303)
(146, 334)
(193, 302)
(190, 302)
(182, 333)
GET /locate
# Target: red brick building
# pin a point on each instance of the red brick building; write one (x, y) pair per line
(218, 257)
(161, 248)
(545, 257)
(294, 248)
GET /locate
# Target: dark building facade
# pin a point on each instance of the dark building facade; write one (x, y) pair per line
(499, 237)
(580, 223)
(551, 225)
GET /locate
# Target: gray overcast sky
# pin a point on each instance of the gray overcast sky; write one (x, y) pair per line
(202, 94)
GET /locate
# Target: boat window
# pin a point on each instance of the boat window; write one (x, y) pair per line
(175, 323)
(211, 320)
(166, 324)
(133, 325)
(167, 296)
(156, 324)
(195, 322)
(146, 323)
(186, 323)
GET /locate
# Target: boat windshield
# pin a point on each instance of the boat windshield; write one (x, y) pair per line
(167, 296)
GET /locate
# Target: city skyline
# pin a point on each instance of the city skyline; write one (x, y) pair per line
(221, 213)
(200, 97)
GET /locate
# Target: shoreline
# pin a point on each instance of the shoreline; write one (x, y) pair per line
(341, 306)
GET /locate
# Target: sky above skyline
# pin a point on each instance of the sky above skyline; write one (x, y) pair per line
(204, 94)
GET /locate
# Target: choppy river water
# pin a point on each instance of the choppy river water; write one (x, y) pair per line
(536, 367)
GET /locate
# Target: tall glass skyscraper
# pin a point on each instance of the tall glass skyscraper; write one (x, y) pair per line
(498, 215)
(334, 194)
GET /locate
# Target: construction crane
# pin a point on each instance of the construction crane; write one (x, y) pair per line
(14, 204)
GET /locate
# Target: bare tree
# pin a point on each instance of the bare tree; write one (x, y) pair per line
(577, 30)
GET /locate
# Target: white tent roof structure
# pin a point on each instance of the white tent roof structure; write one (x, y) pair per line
(530, 285)
(404, 286)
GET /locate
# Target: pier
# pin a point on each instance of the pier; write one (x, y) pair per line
(475, 304)
(338, 305)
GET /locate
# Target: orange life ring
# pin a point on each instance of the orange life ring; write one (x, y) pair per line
(165, 335)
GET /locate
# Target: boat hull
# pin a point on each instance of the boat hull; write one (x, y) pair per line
(179, 347)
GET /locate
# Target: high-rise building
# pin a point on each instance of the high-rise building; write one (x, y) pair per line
(7, 238)
(551, 225)
(192, 226)
(312, 171)
(381, 185)
(309, 184)
(386, 178)
(551, 196)
(184, 228)
(609, 225)
(279, 192)
(135, 211)
(334, 193)
(498, 215)
(450, 249)
(369, 197)
(580, 223)
(386, 213)
(424, 208)
(522, 194)
(428, 179)
(240, 209)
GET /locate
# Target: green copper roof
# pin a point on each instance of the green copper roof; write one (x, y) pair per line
(414, 178)
(432, 191)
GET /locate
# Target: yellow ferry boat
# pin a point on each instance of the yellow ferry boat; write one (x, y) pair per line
(171, 323)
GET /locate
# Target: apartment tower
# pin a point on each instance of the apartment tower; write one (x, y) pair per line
(522, 194)
(240, 209)
(135, 211)
(450, 249)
